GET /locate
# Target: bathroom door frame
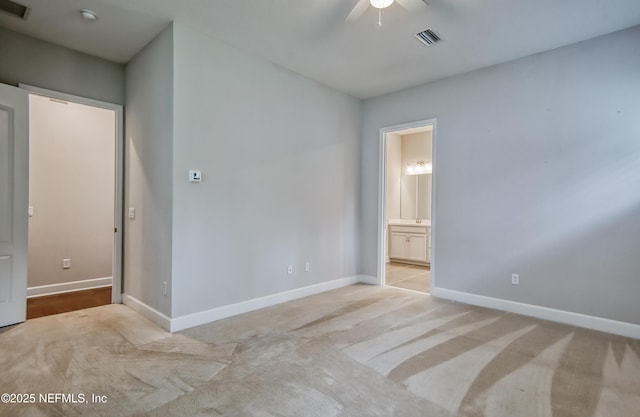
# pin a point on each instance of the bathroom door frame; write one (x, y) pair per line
(116, 267)
(382, 197)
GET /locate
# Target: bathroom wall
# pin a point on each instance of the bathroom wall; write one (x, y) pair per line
(71, 190)
(394, 173)
(416, 147)
(415, 190)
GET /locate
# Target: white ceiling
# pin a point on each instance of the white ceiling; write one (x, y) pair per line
(311, 37)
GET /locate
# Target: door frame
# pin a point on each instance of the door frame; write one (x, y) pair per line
(382, 197)
(13, 248)
(116, 282)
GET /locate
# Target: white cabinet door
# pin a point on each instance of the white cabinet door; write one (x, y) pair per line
(410, 243)
(408, 246)
(417, 248)
(398, 246)
(14, 190)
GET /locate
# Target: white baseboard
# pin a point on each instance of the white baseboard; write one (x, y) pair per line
(369, 279)
(147, 311)
(63, 287)
(575, 319)
(208, 316)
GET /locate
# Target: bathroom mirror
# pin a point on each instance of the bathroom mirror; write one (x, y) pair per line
(415, 197)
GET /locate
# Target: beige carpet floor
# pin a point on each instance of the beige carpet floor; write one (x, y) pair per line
(358, 351)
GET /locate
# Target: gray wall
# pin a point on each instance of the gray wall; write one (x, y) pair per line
(280, 160)
(536, 173)
(148, 173)
(31, 61)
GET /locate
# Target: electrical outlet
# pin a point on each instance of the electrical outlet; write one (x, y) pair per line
(66, 263)
(515, 279)
(290, 269)
(164, 287)
(132, 213)
(307, 266)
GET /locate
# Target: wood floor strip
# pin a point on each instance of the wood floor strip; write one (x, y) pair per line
(70, 301)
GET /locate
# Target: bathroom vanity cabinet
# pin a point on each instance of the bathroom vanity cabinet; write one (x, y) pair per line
(410, 243)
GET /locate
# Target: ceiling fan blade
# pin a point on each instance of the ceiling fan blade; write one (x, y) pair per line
(413, 5)
(358, 10)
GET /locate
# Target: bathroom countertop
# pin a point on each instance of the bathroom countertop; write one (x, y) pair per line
(408, 222)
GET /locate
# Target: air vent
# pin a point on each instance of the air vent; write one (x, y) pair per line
(14, 9)
(428, 37)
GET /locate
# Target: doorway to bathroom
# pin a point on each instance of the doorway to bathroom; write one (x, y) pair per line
(406, 222)
(74, 210)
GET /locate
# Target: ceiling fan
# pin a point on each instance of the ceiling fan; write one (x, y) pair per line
(362, 6)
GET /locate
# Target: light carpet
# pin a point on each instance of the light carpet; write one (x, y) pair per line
(357, 351)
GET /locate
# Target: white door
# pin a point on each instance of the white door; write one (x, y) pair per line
(14, 184)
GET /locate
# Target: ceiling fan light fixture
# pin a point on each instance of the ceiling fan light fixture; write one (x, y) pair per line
(88, 15)
(381, 4)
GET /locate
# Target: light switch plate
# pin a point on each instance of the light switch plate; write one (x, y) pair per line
(195, 175)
